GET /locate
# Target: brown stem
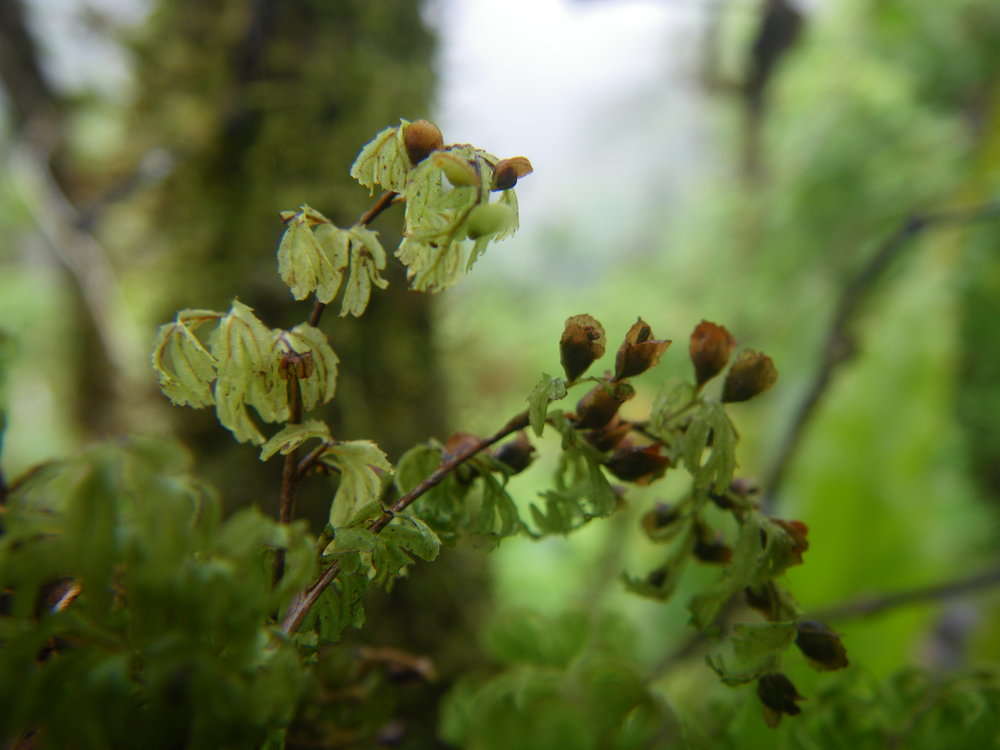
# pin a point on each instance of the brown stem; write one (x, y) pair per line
(872, 605)
(839, 344)
(289, 474)
(384, 201)
(303, 602)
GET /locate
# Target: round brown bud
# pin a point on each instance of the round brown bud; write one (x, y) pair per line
(507, 172)
(751, 374)
(637, 464)
(581, 344)
(421, 138)
(820, 645)
(516, 454)
(601, 403)
(710, 348)
(779, 696)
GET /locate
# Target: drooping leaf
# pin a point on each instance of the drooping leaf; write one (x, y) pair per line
(247, 373)
(367, 261)
(412, 535)
(292, 436)
(335, 244)
(359, 463)
(341, 605)
(302, 264)
(547, 390)
(383, 161)
(185, 368)
(321, 384)
(750, 651)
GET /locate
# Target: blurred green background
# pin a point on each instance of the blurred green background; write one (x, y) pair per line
(735, 161)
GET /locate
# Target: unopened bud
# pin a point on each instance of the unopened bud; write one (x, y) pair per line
(796, 542)
(639, 464)
(609, 436)
(709, 547)
(508, 171)
(488, 218)
(601, 403)
(710, 348)
(421, 138)
(639, 352)
(779, 696)
(658, 518)
(460, 172)
(517, 454)
(581, 344)
(752, 373)
(821, 646)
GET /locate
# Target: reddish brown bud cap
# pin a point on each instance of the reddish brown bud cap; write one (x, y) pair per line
(609, 436)
(517, 454)
(581, 344)
(779, 696)
(709, 546)
(710, 349)
(601, 403)
(752, 373)
(821, 646)
(639, 352)
(421, 138)
(639, 464)
(508, 171)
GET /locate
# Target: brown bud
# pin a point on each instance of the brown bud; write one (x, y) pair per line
(772, 602)
(459, 443)
(710, 348)
(581, 344)
(779, 696)
(821, 646)
(421, 138)
(508, 171)
(517, 453)
(659, 517)
(798, 541)
(601, 403)
(657, 577)
(609, 436)
(639, 351)
(639, 464)
(709, 547)
(752, 373)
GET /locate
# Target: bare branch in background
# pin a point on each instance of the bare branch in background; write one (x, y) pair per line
(839, 345)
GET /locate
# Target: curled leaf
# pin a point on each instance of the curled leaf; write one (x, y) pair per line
(383, 161)
(361, 465)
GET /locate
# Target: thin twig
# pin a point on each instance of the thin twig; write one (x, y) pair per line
(303, 602)
(868, 606)
(384, 201)
(289, 473)
(839, 345)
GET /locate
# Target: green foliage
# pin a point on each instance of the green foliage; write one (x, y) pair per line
(567, 682)
(160, 637)
(358, 463)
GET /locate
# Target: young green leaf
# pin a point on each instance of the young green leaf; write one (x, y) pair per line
(411, 534)
(301, 262)
(547, 389)
(750, 651)
(359, 463)
(185, 368)
(292, 436)
(335, 244)
(247, 373)
(367, 260)
(320, 385)
(383, 161)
